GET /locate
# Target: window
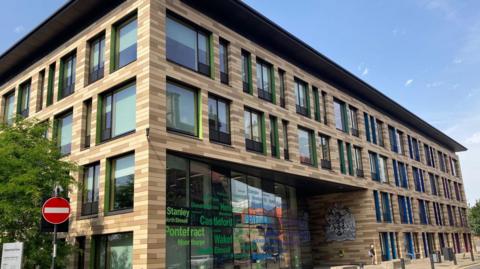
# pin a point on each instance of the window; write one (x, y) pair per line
(66, 84)
(64, 132)
(418, 178)
(357, 161)
(306, 143)
(90, 189)
(275, 149)
(118, 112)
(182, 109)
(386, 207)
(216, 219)
(324, 106)
(219, 119)
(24, 99)
(422, 212)
(87, 121)
(413, 148)
(341, 153)
(400, 142)
(265, 79)
(41, 90)
(253, 130)
(325, 161)
(125, 46)
(281, 75)
(51, 79)
(352, 119)
(378, 210)
(382, 168)
(403, 175)
(114, 251)
(316, 103)
(302, 98)
(341, 116)
(8, 108)
(286, 152)
(433, 184)
(246, 72)
(122, 176)
(351, 168)
(97, 58)
(374, 166)
(405, 208)
(188, 45)
(223, 51)
(441, 161)
(380, 133)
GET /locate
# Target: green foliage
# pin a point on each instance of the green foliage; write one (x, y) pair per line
(474, 218)
(30, 167)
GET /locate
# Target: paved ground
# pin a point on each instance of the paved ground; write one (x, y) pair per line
(463, 262)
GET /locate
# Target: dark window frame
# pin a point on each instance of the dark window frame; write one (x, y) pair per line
(66, 83)
(214, 130)
(96, 72)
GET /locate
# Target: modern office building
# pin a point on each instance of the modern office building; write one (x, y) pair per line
(212, 138)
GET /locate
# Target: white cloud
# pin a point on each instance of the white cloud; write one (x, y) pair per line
(442, 6)
(365, 71)
(473, 139)
(408, 82)
(435, 84)
(457, 61)
(19, 29)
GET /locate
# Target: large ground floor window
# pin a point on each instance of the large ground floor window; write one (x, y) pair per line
(218, 218)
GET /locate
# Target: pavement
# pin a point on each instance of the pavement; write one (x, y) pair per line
(463, 262)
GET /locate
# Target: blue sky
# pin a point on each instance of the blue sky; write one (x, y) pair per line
(425, 54)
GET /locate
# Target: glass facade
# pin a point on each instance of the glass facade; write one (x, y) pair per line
(182, 109)
(219, 218)
(122, 176)
(118, 112)
(113, 251)
(64, 133)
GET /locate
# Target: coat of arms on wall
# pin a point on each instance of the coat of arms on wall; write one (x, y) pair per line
(340, 224)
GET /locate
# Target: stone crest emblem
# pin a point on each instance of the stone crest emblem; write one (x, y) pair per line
(340, 224)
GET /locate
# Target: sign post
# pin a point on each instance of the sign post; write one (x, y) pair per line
(55, 210)
(12, 255)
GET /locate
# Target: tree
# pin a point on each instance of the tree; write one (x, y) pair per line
(474, 218)
(30, 168)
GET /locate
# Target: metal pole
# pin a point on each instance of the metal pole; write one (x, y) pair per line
(54, 253)
(471, 254)
(432, 264)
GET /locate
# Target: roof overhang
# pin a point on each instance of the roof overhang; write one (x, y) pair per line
(61, 26)
(251, 24)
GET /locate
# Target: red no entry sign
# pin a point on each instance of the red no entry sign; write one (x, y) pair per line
(56, 210)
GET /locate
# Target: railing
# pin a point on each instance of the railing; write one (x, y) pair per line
(96, 74)
(286, 154)
(224, 77)
(355, 132)
(204, 69)
(326, 164)
(282, 101)
(246, 87)
(86, 143)
(375, 176)
(264, 95)
(24, 113)
(219, 136)
(359, 173)
(302, 110)
(253, 145)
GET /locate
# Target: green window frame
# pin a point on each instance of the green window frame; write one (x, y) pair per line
(341, 115)
(255, 134)
(265, 81)
(41, 90)
(63, 132)
(120, 177)
(96, 58)
(112, 251)
(312, 158)
(341, 153)
(350, 159)
(247, 72)
(189, 45)
(274, 141)
(193, 110)
(121, 56)
(66, 79)
(8, 108)
(51, 81)
(316, 103)
(302, 98)
(117, 112)
(23, 101)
